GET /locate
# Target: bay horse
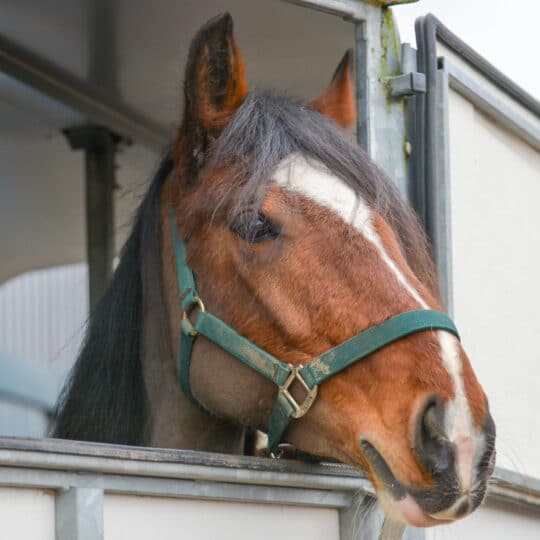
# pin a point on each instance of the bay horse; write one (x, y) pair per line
(302, 251)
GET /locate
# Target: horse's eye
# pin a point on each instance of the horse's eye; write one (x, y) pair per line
(255, 228)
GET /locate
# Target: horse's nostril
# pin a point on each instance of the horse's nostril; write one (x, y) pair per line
(431, 444)
(432, 427)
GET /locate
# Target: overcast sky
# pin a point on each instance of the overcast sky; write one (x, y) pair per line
(505, 32)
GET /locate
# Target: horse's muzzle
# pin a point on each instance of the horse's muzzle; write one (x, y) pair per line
(449, 497)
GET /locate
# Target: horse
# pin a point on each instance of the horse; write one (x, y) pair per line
(269, 224)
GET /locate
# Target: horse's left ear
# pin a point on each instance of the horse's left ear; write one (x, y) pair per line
(215, 83)
(338, 102)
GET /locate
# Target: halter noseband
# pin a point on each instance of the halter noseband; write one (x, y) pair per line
(283, 375)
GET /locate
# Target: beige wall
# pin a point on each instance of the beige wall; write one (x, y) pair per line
(155, 518)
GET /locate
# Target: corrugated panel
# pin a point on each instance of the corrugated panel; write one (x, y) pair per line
(42, 316)
(42, 319)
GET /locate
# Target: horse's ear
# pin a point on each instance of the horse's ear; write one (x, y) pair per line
(338, 102)
(215, 83)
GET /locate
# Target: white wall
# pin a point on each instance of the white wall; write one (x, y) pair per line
(493, 522)
(495, 180)
(143, 518)
(495, 217)
(26, 514)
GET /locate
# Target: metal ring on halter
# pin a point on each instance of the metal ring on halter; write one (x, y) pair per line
(311, 393)
(187, 326)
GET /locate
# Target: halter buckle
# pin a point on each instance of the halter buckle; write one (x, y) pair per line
(299, 408)
(187, 326)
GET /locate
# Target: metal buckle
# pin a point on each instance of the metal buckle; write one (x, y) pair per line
(187, 326)
(283, 451)
(303, 408)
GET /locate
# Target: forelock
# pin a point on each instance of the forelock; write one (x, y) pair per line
(267, 128)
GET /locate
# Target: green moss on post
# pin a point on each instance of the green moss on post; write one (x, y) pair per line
(389, 44)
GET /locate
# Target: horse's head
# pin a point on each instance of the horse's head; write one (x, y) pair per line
(299, 243)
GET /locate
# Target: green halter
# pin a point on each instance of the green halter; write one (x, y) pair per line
(283, 375)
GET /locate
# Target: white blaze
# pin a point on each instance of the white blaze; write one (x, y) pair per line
(313, 180)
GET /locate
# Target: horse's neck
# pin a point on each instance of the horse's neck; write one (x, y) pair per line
(174, 421)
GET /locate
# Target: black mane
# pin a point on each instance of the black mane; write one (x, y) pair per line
(104, 399)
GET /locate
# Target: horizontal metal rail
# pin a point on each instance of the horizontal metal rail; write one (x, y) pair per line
(56, 83)
(184, 464)
(348, 9)
(201, 472)
(514, 488)
(156, 486)
(52, 463)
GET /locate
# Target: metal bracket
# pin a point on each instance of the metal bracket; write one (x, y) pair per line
(410, 84)
(93, 137)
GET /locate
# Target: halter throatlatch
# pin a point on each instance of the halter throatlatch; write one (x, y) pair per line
(284, 375)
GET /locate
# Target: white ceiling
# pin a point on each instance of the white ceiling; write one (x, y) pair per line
(133, 51)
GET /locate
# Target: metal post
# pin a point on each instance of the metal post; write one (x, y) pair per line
(99, 145)
(381, 116)
(79, 514)
(362, 87)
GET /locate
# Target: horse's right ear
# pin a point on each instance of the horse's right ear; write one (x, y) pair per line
(337, 102)
(215, 84)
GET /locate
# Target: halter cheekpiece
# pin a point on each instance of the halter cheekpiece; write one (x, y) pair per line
(309, 376)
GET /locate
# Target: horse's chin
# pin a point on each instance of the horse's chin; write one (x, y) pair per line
(407, 511)
(398, 504)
